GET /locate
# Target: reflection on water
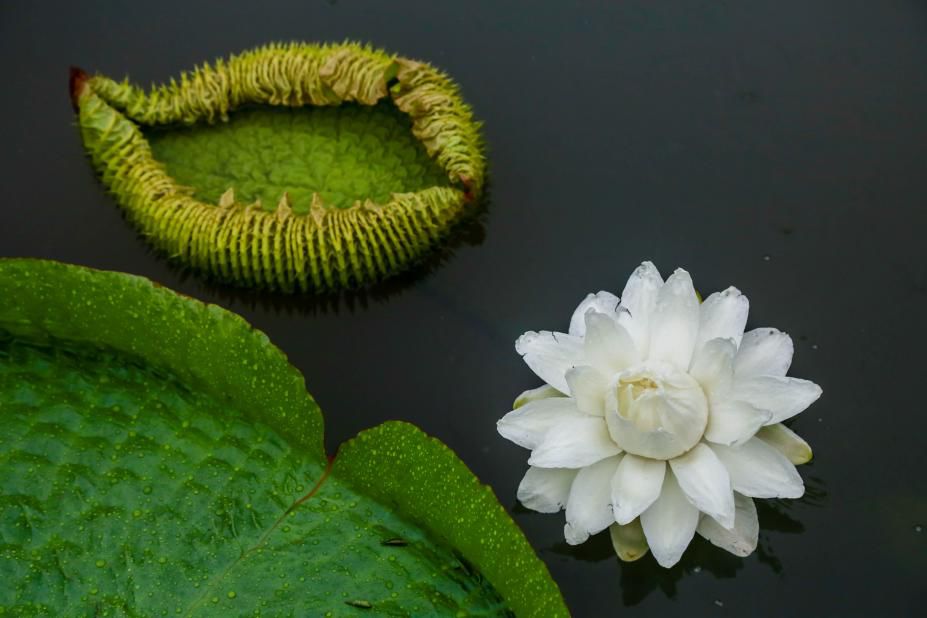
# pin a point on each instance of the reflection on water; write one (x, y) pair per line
(468, 232)
(640, 578)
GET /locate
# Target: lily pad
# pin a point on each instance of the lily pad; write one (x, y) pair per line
(158, 456)
(294, 167)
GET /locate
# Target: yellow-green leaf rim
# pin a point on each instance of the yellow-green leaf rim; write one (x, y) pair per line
(319, 246)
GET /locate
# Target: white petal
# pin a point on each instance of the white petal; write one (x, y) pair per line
(733, 422)
(574, 443)
(760, 471)
(713, 365)
(637, 300)
(742, 538)
(705, 481)
(589, 508)
(629, 541)
(764, 352)
(723, 315)
(545, 489)
(545, 391)
(664, 419)
(636, 485)
(674, 322)
(603, 302)
(587, 387)
(527, 425)
(608, 346)
(786, 442)
(784, 397)
(550, 355)
(669, 524)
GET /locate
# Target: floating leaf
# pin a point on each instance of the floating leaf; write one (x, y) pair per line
(294, 167)
(159, 456)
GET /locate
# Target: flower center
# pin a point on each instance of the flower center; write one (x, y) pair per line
(638, 387)
(655, 410)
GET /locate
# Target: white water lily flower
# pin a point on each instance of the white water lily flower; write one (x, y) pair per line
(660, 418)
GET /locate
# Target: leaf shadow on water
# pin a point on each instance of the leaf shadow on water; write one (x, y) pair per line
(639, 579)
(470, 231)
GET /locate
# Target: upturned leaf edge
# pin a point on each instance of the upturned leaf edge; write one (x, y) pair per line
(247, 244)
(215, 350)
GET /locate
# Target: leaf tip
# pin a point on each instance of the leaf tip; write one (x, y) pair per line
(77, 83)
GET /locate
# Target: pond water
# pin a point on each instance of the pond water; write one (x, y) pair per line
(779, 147)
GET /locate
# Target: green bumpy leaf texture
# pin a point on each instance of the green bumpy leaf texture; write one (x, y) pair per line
(386, 462)
(318, 221)
(124, 491)
(343, 154)
(137, 484)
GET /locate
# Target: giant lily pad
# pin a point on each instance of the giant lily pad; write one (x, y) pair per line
(158, 456)
(294, 167)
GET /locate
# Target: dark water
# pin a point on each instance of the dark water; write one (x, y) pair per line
(776, 146)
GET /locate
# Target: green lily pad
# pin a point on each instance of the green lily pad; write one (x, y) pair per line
(304, 151)
(293, 167)
(158, 456)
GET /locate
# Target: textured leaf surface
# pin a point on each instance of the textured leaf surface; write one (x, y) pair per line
(297, 167)
(345, 154)
(136, 482)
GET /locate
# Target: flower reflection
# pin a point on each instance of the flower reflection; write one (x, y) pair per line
(639, 579)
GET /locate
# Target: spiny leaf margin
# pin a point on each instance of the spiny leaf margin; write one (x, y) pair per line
(327, 249)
